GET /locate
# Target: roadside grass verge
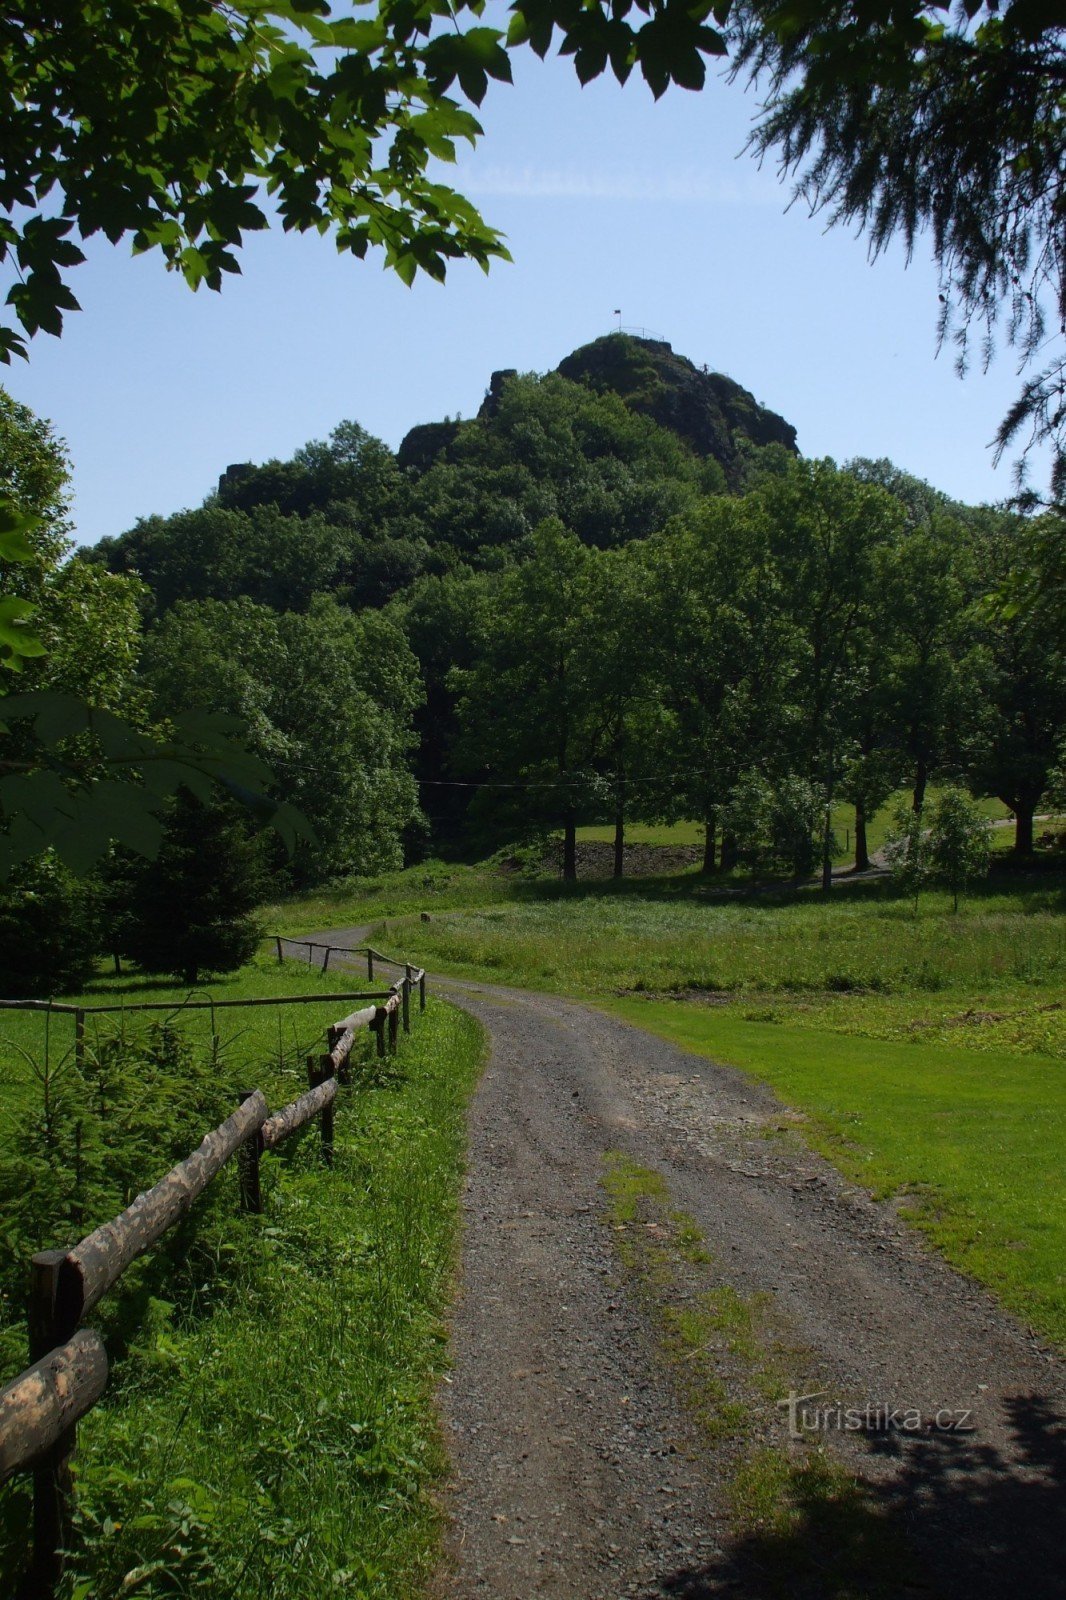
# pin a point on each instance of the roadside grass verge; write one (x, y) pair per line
(973, 1143)
(269, 1427)
(801, 1524)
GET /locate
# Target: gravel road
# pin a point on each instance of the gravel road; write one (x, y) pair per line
(578, 1472)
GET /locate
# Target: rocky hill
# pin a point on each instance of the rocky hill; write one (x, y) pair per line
(709, 411)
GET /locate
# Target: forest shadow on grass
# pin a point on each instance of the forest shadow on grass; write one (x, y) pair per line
(955, 1520)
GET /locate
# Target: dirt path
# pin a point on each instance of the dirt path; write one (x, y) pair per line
(580, 1475)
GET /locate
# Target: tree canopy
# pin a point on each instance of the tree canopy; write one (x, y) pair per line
(184, 124)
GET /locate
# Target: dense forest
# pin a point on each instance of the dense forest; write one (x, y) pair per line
(618, 593)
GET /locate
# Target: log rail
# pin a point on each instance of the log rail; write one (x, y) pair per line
(40, 1408)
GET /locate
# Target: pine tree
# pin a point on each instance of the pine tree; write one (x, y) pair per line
(190, 910)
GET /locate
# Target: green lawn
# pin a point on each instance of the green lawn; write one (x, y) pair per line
(975, 1141)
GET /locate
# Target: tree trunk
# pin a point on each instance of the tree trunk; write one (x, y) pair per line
(728, 856)
(711, 827)
(862, 854)
(619, 833)
(1023, 829)
(827, 849)
(190, 977)
(921, 778)
(570, 849)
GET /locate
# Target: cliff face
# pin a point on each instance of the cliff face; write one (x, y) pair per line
(704, 408)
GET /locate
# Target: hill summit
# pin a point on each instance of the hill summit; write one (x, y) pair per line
(705, 409)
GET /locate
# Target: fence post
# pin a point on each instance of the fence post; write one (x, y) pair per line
(52, 1486)
(79, 1039)
(277, 941)
(344, 1070)
(407, 997)
(325, 958)
(248, 1165)
(379, 1031)
(317, 1072)
(369, 964)
(422, 990)
(394, 1029)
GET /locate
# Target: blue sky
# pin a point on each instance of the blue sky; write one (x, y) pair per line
(608, 199)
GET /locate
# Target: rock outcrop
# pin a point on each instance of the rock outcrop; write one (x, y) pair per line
(706, 409)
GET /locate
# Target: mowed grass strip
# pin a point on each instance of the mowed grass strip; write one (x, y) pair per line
(974, 1141)
(269, 1427)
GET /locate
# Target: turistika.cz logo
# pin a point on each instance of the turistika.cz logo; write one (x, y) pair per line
(806, 1416)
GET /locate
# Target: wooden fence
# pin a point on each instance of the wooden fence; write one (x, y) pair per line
(329, 950)
(40, 1408)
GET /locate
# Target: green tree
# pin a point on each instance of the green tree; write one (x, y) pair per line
(1015, 736)
(906, 850)
(189, 910)
(960, 844)
(906, 120)
(724, 651)
(627, 719)
(523, 705)
(327, 699)
(825, 529)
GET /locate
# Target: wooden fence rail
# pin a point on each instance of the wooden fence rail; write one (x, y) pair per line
(41, 1407)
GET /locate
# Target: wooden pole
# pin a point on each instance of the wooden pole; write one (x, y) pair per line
(100, 1259)
(320, 1071)
(43, 1403)
(369, 963)
(394, 1029)
(79, 1039)
(277, 941)
(422, 990)
(379, 1032)
(407, 998)
(52, 1485)
(248, 1166)
(325, 958)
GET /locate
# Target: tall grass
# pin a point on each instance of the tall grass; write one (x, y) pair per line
(856, 962)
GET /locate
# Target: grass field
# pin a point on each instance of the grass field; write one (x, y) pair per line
(269, 1426)
(927, 1050)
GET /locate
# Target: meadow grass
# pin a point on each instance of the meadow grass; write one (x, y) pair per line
(269, 1426)
(430, 886)
(993, 976)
